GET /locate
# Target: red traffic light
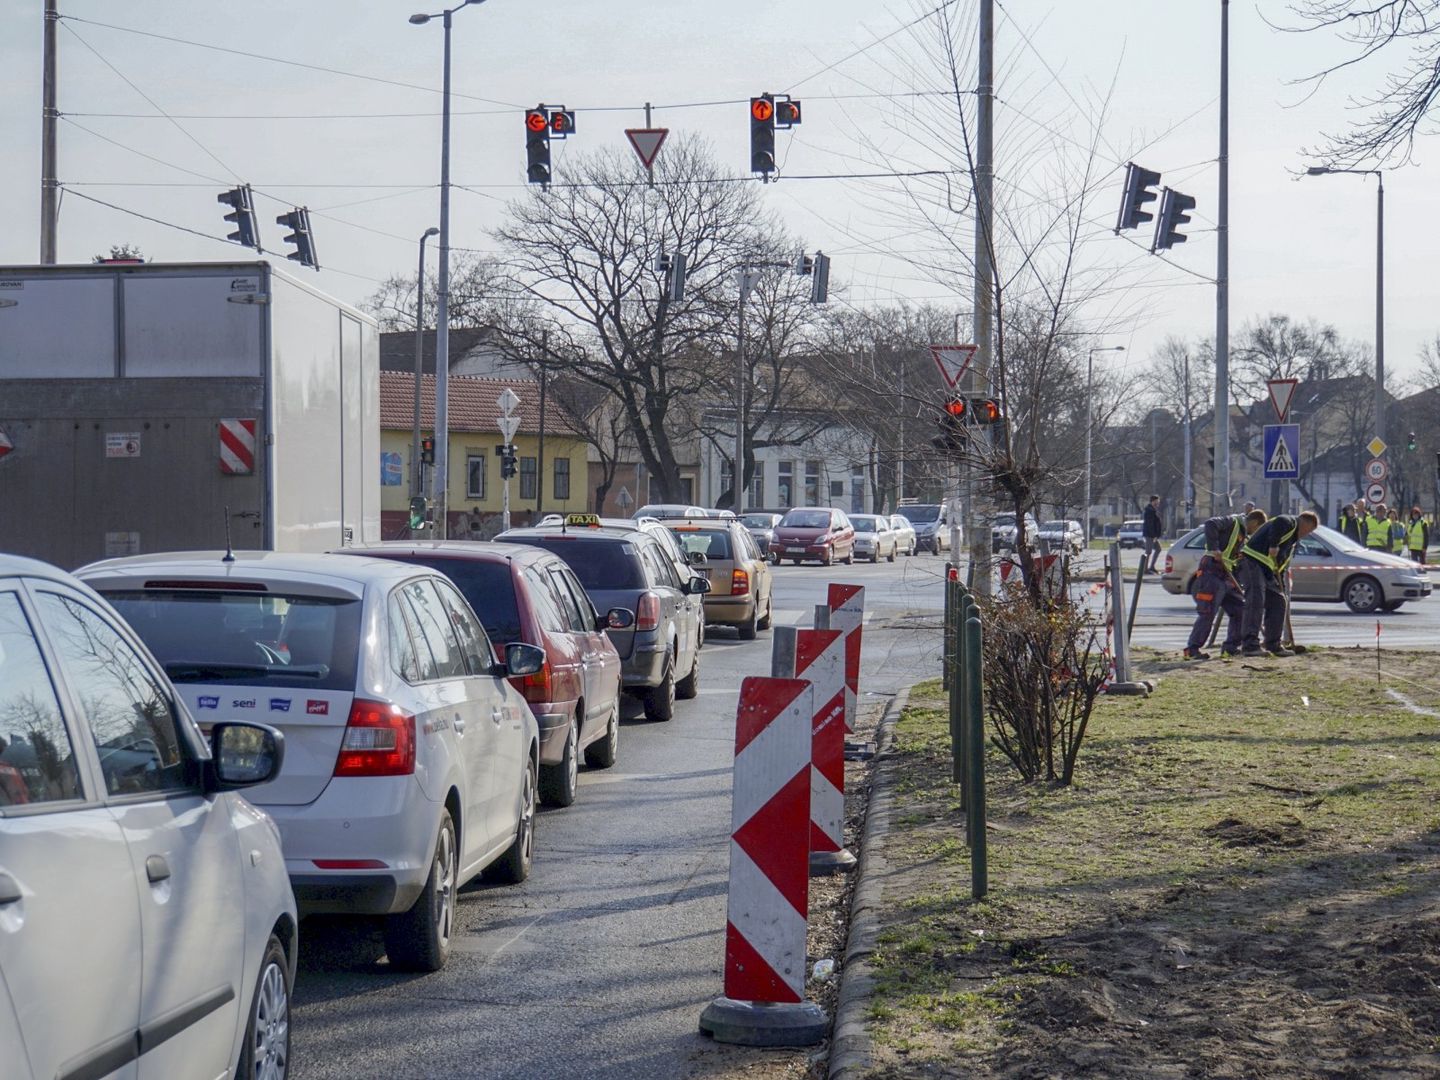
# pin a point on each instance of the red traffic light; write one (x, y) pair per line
(787, 113)
(762, 109)
(956, 407)
(987, 411)
(536, 120)
(562, 122)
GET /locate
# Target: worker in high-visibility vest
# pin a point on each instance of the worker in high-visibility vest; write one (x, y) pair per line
(1261, 570)
(1376, 529)
(1216, 589)
(1417, 535)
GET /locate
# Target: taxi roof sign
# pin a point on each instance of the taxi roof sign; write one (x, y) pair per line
(586, 521)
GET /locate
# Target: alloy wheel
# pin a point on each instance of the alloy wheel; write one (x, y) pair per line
(272, 1025)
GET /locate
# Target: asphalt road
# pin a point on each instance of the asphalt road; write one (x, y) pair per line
(600, 964)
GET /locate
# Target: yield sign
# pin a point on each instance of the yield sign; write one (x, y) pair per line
(1282, 392)
(953, 361)
(5, 444)
(647, 142)
(508, 426)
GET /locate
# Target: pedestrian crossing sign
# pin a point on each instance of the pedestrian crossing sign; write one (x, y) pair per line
(1282, 451)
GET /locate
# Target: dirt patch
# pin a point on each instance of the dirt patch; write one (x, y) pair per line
(1241, 883)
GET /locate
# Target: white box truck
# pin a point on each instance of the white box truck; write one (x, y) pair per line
(138, 402)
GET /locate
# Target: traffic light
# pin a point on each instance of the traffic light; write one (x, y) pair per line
(562, 122)
(506, 453)
(242, 215)
(985, 411)
(1174, 212)
(762, 134)
(298, 222)
(1138, 183)
(1410, 443)
(537, 146)
(787, 113)
(419, 513)
(673, 269)
(817, 268)
(427, 451)
(951, 422)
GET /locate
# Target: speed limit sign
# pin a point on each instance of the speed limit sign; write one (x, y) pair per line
(1375, 493)
(1376, 469)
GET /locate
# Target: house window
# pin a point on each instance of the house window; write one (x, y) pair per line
(475, 476)
(757, 485)
(786, 485)
(837, 489)
(727, 477)
(812, 483)
(857, 489)
(562, 478)
(527, 478)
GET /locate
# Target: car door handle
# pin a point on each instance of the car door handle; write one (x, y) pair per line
(157, 869)
(9, 890)
(459, 724)
(497, 715)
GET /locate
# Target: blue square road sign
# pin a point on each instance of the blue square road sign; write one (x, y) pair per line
(1282, 451)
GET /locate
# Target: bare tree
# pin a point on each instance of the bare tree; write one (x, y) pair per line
(479, 291)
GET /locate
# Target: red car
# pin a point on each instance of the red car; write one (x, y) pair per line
(529, 595)
(814, 532)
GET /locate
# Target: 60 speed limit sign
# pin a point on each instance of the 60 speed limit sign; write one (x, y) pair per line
(1376, 469)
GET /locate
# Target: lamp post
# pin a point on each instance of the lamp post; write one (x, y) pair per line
(417, 479)
(1325, 170)
(442, 304)
(1090, 424)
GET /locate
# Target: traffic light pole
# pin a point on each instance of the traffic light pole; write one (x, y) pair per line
(977, 535)
(737, 471)
(49, 185)
(417, 480)
(1220, 480)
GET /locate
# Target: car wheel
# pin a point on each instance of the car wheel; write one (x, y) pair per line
(689, 687)
(751, 627)
(602, 754)
(265, 1053)
(559, 782)
(419, 939)
(1391, 605)
(827, 558)
(850, 559)
(1362, 595)
(514, 866)
(660, 700)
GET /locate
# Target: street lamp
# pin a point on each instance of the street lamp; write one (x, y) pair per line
(417, 486)
(1325, 170)
(442, 305)
(1090, 423)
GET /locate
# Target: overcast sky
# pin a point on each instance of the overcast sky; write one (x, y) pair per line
(1300, 247)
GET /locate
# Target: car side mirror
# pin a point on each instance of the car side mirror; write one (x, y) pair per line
(697, 586)
(523, 659)
(243, 755)
(695, 558)
(617, 618)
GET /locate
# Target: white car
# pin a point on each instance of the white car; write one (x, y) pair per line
(1066, 534)
(411, 761)
(1003, 532)
(146, 924)
(874, 537)
(904, 534)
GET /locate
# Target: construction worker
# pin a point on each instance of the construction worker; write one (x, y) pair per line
(1261, 572)
(1375, 527)
(1417, 535)
(1216, 589)
(1350, 524)
(1397, 534)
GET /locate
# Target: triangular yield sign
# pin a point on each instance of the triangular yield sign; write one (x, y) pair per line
(953, 361)
(1282, 392)
(647, 143)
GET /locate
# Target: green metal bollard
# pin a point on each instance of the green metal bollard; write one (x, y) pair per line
(957, 683)
(975, 761)
(950, 639)
(960, 715)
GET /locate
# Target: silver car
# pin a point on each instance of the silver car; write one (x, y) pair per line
(411, 762)
(905, 539)
(146, 924)
(874, 538)
(1327, 568)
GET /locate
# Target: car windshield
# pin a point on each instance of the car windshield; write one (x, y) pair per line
(922, 513)
(489, 586)
(1004, 519)
(758, 521)
(1053, 526)
(1133, 525)
(863, 524)
(806, 519)
(227, 637)
(600, 562)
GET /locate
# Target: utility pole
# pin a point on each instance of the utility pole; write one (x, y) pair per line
(417, 480)
(1380, 307)
(978, 536)
(49, 184)
(900, 457)
(1189, 495)
(540, 450)
(1220, 496)
(748, 279)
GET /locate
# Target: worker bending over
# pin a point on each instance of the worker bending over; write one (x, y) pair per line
(1216, 589)
(1264, 559)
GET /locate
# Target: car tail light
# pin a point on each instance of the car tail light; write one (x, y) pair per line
(536, 688)
(379, 741)
(739, 583)
(647, 612)
(1169, 563)
(349, 864)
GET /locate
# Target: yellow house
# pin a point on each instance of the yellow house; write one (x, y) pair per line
(555, 481)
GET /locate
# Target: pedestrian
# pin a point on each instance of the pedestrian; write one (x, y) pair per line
(1350, 524)
(1418, 535)
(1261, 570)
(1397, 533)
(1153, 527)
(1376, 528)
(1216, 589)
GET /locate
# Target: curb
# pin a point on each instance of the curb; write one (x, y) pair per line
(850, 1039)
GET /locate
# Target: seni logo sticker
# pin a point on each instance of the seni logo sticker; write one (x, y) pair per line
(317, 708)
(243, 703)
(206, 701)
(279, 704)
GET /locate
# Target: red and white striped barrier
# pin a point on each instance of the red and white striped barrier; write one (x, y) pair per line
(764, 1002)
(847, 614)
(819, 655)
(237, 447)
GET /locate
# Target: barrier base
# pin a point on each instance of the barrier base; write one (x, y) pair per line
(859, 751)
(1132, 688)
(828, 863)
(757, 1023)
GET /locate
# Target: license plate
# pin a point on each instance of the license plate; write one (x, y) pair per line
(796, 551)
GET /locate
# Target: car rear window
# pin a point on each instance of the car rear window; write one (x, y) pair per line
(487, 585)
(223, 637)
(600, 562)
(712, 543)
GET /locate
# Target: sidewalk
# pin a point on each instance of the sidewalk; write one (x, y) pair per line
(1241, 883)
